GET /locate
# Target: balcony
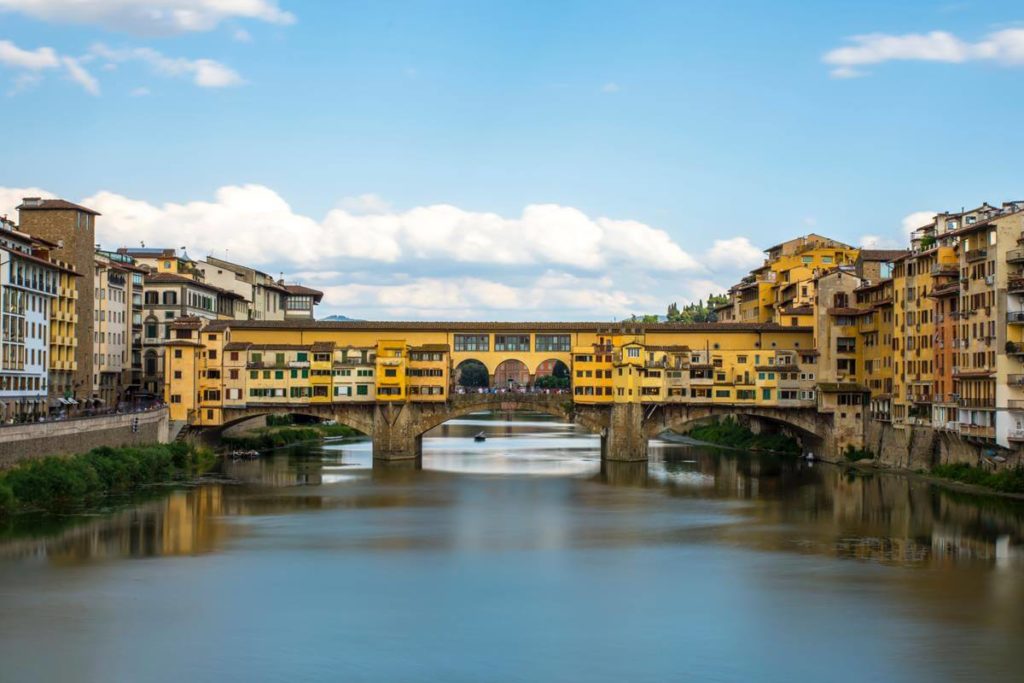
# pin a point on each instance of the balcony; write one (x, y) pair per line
(1015, 285)
(1015, 255)
(298, 363)
(1015, 435)
(977, 255)
(978, 431)
(979, 403)
(1015, 317)
(1015, 404)
(1015, 380)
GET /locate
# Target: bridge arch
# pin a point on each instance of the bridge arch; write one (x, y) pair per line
(358, 417)
(811, 429)
(511, 373)
(556, 405)
(472, 373)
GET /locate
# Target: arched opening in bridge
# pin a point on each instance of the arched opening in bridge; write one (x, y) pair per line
(511, 374)
(551, 374)
(472, 374)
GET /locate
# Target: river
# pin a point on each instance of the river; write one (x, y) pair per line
(521, 559)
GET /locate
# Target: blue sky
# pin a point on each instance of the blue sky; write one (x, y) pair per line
(398, 154)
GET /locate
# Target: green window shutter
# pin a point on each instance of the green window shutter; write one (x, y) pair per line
(295, 373)
(305, 374)
(253, 374)
(279, 374)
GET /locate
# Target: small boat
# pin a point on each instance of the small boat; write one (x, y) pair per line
(480, 437)
(810, 457)
(244, 455)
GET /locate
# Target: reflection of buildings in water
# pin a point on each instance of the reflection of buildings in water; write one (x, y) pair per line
(277, 470)
(183, 523)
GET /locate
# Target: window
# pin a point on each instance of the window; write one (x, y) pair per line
(633, 352)
(301, 356)
(511, 342)
(390, 372)
(362, 390)
(278, 374)
(177, 374)
(177, 353)
(552, 342)
(472, 342)
(175, 398)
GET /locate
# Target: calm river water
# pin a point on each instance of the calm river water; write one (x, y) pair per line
(519, 559)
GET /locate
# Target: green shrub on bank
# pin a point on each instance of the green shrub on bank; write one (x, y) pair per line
(280, 420)
(1004, 481)
(729, 432)
(854, 454)
(276, 438)
(59, 482)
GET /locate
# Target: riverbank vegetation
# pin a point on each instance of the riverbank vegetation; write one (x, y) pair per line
(278, 436)
(1003, 481)
(57, 483)
(729, 432)
(857, 454)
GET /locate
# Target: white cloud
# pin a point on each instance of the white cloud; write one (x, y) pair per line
(151, 16)
(79, 75)
(31, 64)
(206, 73)
(548, 262)
(610, 87)
(909, 223)
(364, 204)
(140, 92)
(240, 35)
(915, 220)
(736, 253)
(1004, 47)
(33, 60)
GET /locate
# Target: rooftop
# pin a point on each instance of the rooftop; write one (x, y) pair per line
(37, 204)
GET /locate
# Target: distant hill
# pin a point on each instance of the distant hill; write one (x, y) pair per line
(336, 318)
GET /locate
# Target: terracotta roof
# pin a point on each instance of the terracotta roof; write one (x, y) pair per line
(43, 261)
(52, 205)
(187, 321)
(237, 346)
(798, 310)
(849, 311)
(304, 291)
(838, 387)
(488, 326)
(172, 278)
(323, 346)
(671, 348)
(431, 347)
(881, 254)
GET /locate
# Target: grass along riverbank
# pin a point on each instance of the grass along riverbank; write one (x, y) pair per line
(1003, 481)
(732, 434)
(59, 483)
(278, 436)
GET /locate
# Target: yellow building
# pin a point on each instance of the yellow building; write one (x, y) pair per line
(285, 366)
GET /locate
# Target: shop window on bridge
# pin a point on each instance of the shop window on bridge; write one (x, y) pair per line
(320, 391)
(722, 393)
(553, 342)
(472, 342)
(389, 391)
(342, 391)
(745, 395)
(511, 342)
(362, 390)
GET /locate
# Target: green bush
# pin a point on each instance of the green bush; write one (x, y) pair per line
(1004, 481)
(276, 438)
(854, 454)
(729, 432)
(58, 482)
(280, 420)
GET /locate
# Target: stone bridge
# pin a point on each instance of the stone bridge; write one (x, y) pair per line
(397, 429)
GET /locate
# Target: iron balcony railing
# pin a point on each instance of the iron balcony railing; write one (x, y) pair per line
(987, 403)
(976, 255)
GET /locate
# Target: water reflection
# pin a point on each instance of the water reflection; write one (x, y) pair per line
(700, 541)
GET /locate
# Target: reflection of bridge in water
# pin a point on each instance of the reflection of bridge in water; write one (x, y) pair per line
(397, 429)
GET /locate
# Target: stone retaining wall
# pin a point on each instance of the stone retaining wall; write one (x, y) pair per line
(922, 448)
(26, 442)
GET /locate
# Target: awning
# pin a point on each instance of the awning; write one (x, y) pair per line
(71, 401)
